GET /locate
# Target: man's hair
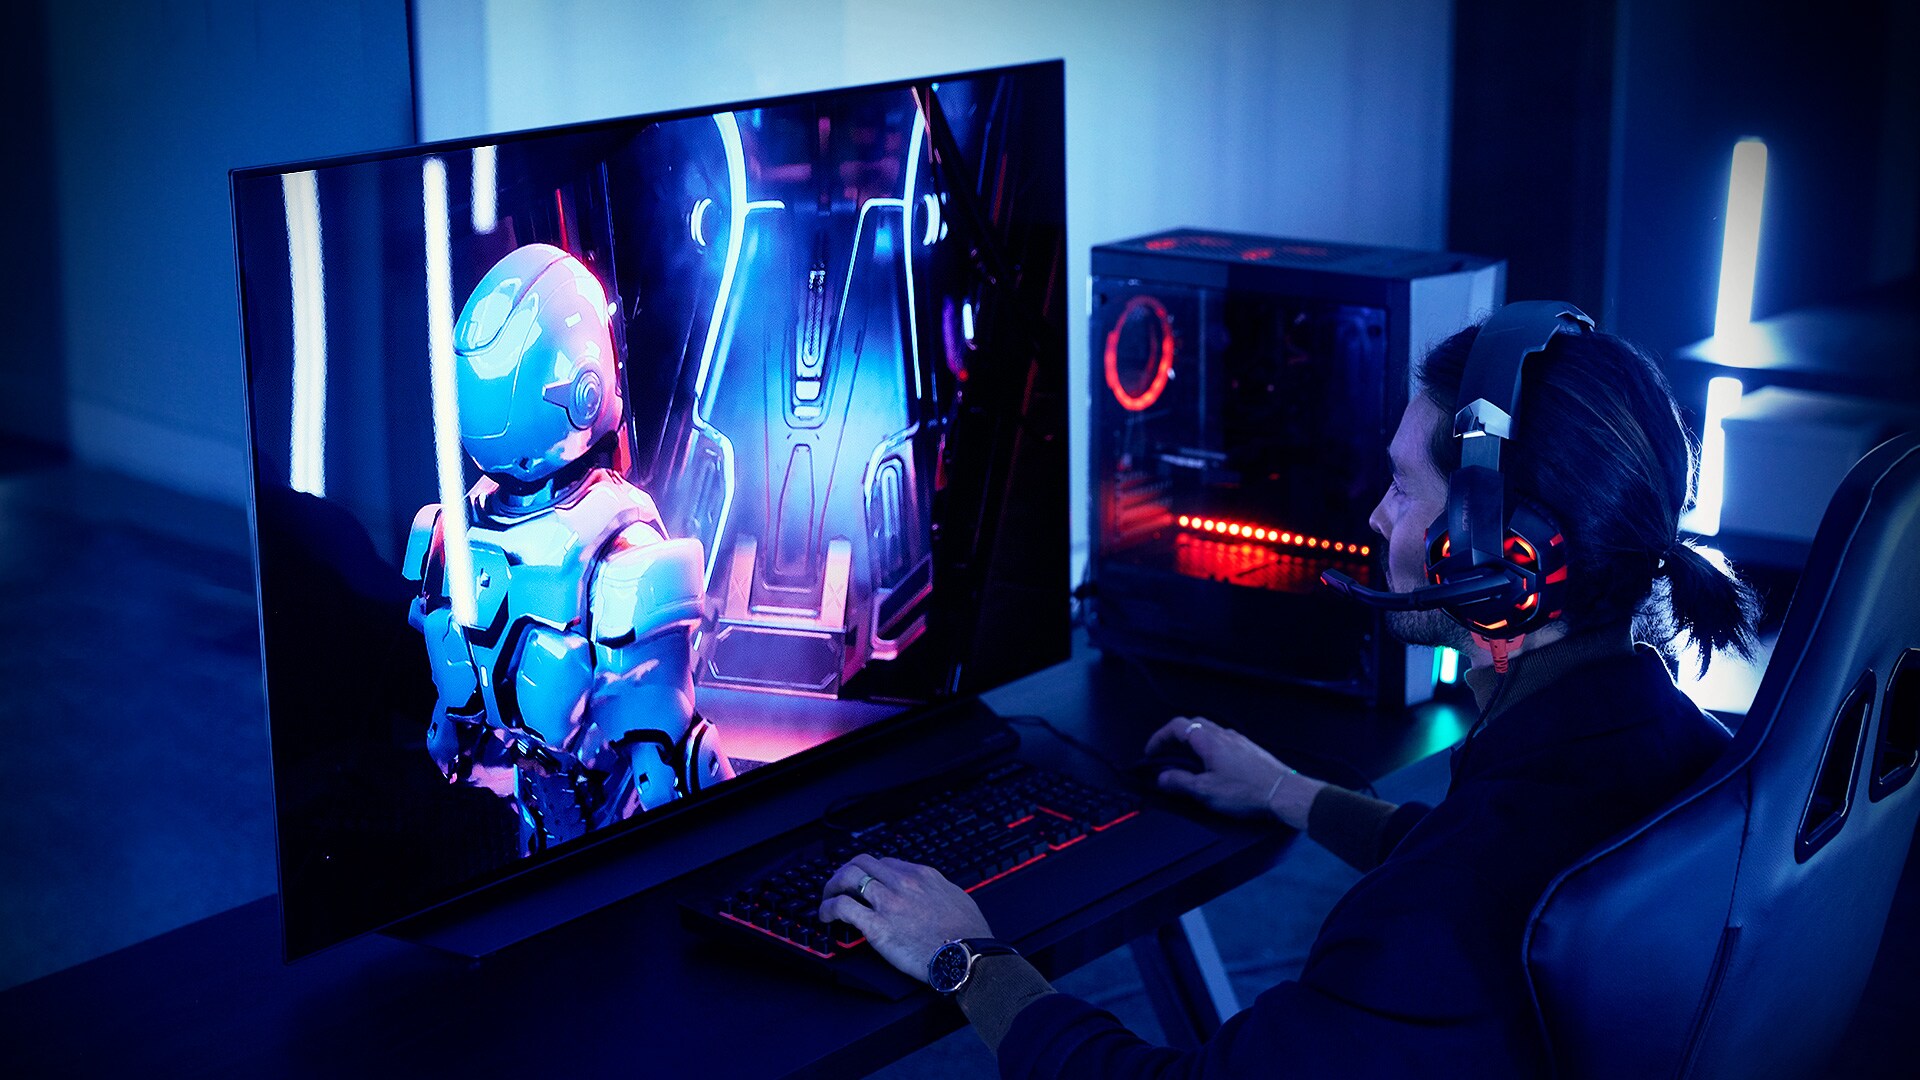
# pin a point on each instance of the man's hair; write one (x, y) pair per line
(1600, 446)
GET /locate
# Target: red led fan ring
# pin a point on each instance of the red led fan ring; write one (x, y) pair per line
(1144, 399)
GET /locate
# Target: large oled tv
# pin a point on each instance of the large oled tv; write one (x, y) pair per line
(597, 469)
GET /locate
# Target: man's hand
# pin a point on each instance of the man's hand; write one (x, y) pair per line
(907, 911)
(1239, 777)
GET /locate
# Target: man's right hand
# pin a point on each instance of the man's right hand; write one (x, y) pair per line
(1239, 778)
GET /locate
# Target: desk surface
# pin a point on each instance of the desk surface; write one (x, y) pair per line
(626, 987)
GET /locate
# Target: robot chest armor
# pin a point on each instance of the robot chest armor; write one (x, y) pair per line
(529, 646)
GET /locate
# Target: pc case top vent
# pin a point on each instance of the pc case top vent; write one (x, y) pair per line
(1244, 390)
(1230, 249)
(1219, 245)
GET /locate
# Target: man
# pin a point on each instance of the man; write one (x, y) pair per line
(1418, 970)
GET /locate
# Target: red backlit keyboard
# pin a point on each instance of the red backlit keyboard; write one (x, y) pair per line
(976, 833)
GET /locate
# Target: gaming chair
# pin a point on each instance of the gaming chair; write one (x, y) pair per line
(1732, 933)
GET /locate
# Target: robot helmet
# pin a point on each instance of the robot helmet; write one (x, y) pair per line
(535, 370)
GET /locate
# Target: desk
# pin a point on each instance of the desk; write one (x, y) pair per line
(625, 990)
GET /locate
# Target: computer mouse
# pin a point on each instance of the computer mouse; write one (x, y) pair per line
(1173, 756)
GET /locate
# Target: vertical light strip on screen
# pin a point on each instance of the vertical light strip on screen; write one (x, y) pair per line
(1723, 393)
(736, 230)
(1449, 661)
(486, 189)
(906, 248)
(737, 210)
(1740, 248)
(446, 407)
(307, 455)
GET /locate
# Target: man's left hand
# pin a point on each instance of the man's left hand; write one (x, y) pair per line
(907, 911)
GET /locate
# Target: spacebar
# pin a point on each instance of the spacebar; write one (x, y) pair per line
(1089, 871)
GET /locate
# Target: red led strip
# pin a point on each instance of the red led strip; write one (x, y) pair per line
(1242, 530)
(1005, 872)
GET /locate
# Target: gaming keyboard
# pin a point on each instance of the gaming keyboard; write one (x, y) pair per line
(986, 832)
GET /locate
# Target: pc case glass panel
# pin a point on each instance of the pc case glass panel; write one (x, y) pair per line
(1238, 433)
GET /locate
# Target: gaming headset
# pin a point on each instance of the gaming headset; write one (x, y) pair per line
(1500, 572)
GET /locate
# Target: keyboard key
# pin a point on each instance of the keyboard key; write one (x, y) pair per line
(973, 834)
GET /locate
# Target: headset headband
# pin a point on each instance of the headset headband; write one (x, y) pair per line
(1489, 408)
(1498, 586)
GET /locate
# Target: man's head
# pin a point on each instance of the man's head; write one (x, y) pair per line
(1599, 446)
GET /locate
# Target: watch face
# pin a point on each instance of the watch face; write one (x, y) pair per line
(948, 968)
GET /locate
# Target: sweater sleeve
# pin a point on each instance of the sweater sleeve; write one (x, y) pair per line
(1362, 831)
(999, 989)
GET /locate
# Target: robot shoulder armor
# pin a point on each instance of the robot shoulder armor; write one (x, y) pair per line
(645, 588)
(423, 542)
(642, 502)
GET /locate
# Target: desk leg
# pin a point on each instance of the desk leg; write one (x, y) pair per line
(1185, 980)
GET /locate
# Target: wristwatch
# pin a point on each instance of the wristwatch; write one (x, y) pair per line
(952, 964)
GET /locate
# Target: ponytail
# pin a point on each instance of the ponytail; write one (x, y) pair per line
(1707, 602)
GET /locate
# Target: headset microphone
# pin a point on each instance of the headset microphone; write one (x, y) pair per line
(1499, 570)
(1471, 590)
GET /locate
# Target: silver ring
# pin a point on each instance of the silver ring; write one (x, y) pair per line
(861, 890)
(1193, 727)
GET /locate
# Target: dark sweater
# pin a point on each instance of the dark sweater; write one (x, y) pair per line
(1418, 970)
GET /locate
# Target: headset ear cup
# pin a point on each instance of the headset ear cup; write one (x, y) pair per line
(1535, 546)
(1536, 543)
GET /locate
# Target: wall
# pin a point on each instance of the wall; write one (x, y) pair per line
(1317, 118)
(33, 404)
(151, 105)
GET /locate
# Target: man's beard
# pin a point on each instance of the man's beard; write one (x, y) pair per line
(1432, 628)
(1428, 628)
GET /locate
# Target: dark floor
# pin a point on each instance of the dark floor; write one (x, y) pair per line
(130, 680)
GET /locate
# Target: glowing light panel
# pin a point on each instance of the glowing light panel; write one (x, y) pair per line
(447, 454)
(1723, 393)
(1740, 248)
(308, 450)
(1448, 661)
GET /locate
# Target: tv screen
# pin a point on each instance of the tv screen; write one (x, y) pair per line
(597, 469)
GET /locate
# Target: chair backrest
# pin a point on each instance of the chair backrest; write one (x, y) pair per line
(1731, 934)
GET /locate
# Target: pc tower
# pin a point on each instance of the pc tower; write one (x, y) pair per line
(1244, 391)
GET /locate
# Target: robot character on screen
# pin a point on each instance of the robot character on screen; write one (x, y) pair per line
(565, 671)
